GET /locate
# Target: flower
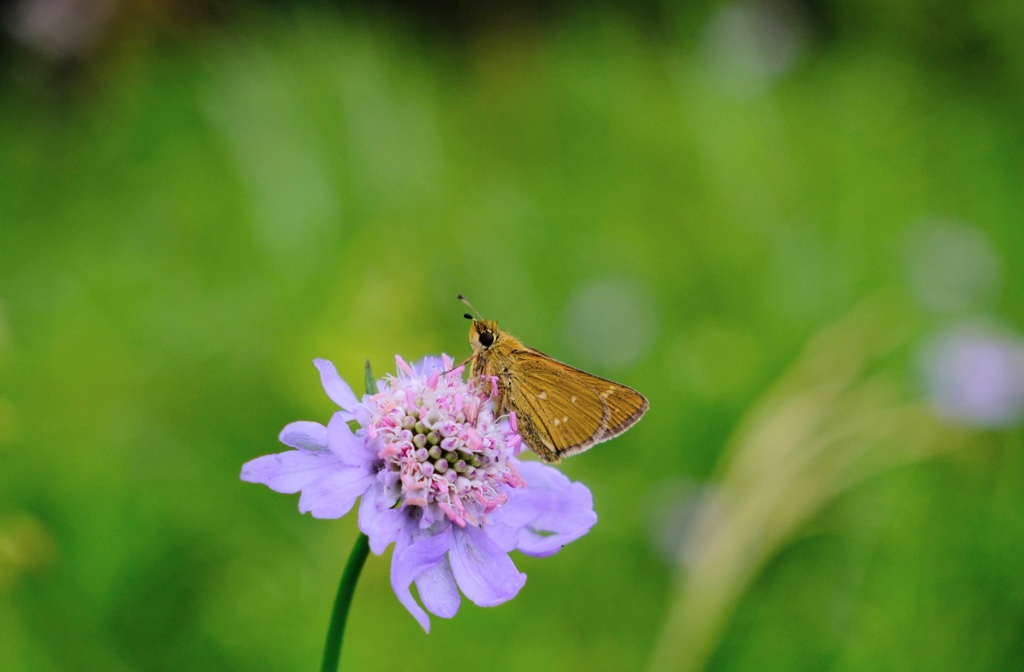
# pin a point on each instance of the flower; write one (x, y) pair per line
(438, 476)
(974, 374)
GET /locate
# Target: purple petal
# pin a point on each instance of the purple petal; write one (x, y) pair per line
(361, 414)
(483, 571)
(290, 471)
(415, 554)
(438, 591)
(550, 512)
(305, 435)
(337, 389)
(382, 527)
(505, 536)
(333, 495)
(346, 445)
(428, 365)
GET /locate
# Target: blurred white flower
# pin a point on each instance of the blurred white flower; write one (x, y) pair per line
(747, 45)
(60, 28)
(611, 321)
(671, 535)
(954, 267)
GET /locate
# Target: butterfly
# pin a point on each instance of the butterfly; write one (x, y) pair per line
(560, 410)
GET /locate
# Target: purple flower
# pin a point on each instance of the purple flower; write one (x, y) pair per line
(438, 476)
(975, 375)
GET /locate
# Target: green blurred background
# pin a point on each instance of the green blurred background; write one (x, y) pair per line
(198, 198)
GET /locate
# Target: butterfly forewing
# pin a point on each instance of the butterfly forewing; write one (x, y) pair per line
(565, 409)
(625, 407)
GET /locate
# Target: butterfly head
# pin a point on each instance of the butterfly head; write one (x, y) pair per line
(482, 333)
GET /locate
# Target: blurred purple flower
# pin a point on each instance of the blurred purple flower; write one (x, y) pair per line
(975, 376)
(438, 476)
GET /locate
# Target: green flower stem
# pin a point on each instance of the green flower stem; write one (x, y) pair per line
(347, 587)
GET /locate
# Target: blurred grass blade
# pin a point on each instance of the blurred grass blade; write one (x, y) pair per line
(828, 423)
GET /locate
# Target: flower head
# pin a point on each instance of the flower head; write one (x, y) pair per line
(438, 476)
(974, 375)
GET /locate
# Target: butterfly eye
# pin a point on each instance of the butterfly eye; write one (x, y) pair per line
(486, 339)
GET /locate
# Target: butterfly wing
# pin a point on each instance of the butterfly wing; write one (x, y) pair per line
(563, 411)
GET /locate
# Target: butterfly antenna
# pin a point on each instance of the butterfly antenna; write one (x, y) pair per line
(466, 301)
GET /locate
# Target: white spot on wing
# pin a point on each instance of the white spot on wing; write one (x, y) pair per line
(542, 395)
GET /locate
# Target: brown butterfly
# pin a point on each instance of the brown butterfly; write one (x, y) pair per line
(561, 411)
